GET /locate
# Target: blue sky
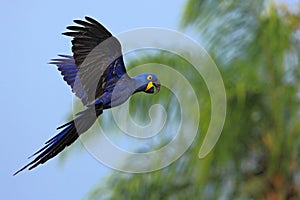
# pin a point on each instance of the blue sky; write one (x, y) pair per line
(34, 98)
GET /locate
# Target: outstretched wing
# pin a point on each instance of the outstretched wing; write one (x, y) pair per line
(98, 58)
(66, 65)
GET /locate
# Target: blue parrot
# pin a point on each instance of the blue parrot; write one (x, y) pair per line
(97, 76)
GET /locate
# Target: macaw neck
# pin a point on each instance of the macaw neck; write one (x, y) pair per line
(123, 89)
(139, 83)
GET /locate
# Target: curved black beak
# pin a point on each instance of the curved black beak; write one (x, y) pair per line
(153, 87)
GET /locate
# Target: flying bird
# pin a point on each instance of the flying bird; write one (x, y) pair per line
(97, 76)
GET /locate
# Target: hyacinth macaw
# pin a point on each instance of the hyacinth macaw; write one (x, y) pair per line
(97, 75)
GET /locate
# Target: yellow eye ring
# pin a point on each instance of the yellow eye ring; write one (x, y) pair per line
(149, 78)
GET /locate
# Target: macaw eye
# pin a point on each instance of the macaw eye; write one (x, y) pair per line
(149, 78)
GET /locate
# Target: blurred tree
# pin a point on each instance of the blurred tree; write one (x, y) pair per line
(256, 46)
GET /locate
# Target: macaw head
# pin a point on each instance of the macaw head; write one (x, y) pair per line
(147, 83)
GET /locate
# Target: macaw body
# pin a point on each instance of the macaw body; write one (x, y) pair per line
(97, 76)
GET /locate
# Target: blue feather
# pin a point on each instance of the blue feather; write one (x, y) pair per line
(66, 65)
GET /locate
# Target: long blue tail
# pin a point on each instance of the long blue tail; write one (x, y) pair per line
(66, 137)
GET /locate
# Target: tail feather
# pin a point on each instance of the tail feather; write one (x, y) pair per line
(64, 125)
(66, 137)
(60, 145)
(50, 141)
(53, 147)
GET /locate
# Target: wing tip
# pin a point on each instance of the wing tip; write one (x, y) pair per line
(63, 57)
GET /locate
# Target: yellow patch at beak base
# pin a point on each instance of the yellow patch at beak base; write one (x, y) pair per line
(150, 85)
